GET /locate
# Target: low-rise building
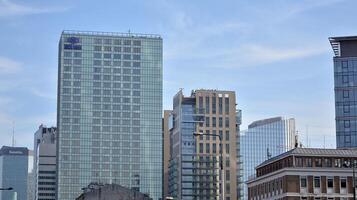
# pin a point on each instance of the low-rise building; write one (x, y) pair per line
(305, 173)
(97, 191)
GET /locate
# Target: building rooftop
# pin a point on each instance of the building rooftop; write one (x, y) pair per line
(336, 43)
(312, 152)
(6, 150)
(264, 122)
(113, 34)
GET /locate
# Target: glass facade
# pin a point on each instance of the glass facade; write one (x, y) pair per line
(264, 139)
(13, 172)
(345, 75)
(345, 102)
(109, 112)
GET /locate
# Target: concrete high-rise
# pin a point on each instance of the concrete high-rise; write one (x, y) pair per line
(166, 152)
(44, 165)
(109, 114)
(203, 130)
(13, 172)
(264, 139)
(345, 74)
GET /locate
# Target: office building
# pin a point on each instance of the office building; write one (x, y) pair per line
(109, 114)
(305, 173)
(240, 183)
(44, 165)
(96, 191)
(262, 140)
(13, 172)
(202, 131)
(166, 153)
(345, 74)
(30, 178)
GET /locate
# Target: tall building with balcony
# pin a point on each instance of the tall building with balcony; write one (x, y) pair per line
(262, 140)
(345, 74)
(203, 131)
(13, 172)
(44, 165)
(109, 112)
(305, 173)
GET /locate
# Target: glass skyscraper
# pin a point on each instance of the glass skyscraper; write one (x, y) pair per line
(265, 139)
(109, 112)
(345, 74)
(13, 172)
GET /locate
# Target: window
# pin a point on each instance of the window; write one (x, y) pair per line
(338, 162)
(317, 182)
(201, 147)
(227, 148)
(330, 182)
(220, 122)
(207, 135)
(226, 122)
(220, 104)
(214, 124)
(226, 105)
(214, 105)
(207, 148)
(346, 123)
(346, 94)
(107, 55)
(318, 162)
(343, 182)
(227, 135)
(97, 48)
(207, 105)
(207, 122)
(303, 182)
(136, 50)
(346, 108)
(107, 48)
(136, 42)
(328, 162)
(308, 162)
(345, 78)
(77, 54)
(228, 175)
(228, 163)
(299, 162)
(136, 57)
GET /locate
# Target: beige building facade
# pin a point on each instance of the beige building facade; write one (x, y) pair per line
(203, 128)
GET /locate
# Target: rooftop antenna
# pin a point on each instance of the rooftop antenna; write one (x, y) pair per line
(13, 134)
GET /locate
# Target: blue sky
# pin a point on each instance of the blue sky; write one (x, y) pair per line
(275, 54)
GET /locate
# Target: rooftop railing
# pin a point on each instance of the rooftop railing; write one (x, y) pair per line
(98, 33)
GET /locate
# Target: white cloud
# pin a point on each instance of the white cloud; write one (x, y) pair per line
(43, 94)
(252, 55)
(8, 66)
(9, 8)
